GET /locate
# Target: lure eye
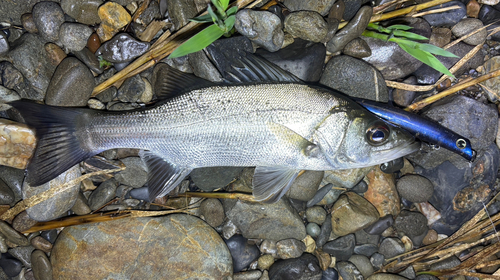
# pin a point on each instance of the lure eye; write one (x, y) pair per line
(377, 134)
(461, 143)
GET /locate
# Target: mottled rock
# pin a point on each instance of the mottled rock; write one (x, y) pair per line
(42, 269)
(448, 263)
(12, 235)
(135, 174)
(265, 262)
(440, 36)
(131, 89)
(55, 53)
(357, 48)
(17, 144)
(382, 224)
(211, 178)
(304, 267)
(180, 11)
(305, 186)
(306, 25)
(382, 192)
(104, 193)
(386, 276)
(319, 6)
(316, 214)
(10, 265)
(313, 229)
(122, 48)
(48, 17)
(41, 243)
(74, 36)
(341, 248)
(23, 222)
(404, 97)
(468, 25)
(88, 57)
(212, 211)
(415, 188)
(261, 27)
(290, 248)
(113, 17)
(447, 18)
(351, 31)
(351, 212)
(14, 178)
(411, 223)
(82, 11)
(242, 252)
(492, 86)
(4, 44)
(362, 237)
(203, 67)
(348, 271)
(28, 23)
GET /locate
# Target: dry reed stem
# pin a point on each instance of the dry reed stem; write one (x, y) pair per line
(380, 8)
(436, 11)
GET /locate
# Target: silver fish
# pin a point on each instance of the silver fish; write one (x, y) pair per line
(270, 120)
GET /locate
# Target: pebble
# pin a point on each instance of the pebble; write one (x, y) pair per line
(325, 260)
(448, 263)
(290, 248)
(362, 237)
(304, 267)
(42, 269)
(351, 212)
(28, 23)
(180, 11)
(113, 17)
(14, 178)
(49, 235)
(23, 254)
(440, 36)
(403, 97)
(103, 194)
(212, 211)
(386, 276)
(48, 18)
(377, 260)
(473, 8)
(320, 6)
(415, 188)
(248, 275)
(391, 247)
(122, 48)
(411, 223)
(11, 266)
(74, 36)
(316, 214)
(408, 273)
(447, 18)
(430, 237)
(81, 207)
(357, 77)
(380, 226)
(382, 192)
(306, 25)
(212, 178)
(326, 230)
(131, 89)
(93, 43)
(261, 27)
(135, 174)
(58, 204)
(152, 249)
(337, 10)
(55, 53)
(304, 187)
(265, 262)
(313, 229)
(71, 85)
(242, 252)
(468, 25)
(366, 249)
(82, 11)
(492, 86)
(357, 48)
(275, 221)
(330, 274)
(90, 60)
(4, 44)
(23, 222)
(3, 244)
(341, 248)
(348, 271)
(351, 31)
(310, 244)
(12, 235)
(269, 247)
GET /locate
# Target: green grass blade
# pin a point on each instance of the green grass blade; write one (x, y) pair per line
(435, 50)
(229, 22)
(224, 4)
(232, 11)
(426, 58)
(399, 27)
(409, 35)
(198, 42)
(202, 19)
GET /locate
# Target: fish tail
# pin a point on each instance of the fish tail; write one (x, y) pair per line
(58, 147)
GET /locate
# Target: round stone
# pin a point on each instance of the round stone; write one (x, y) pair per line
(415, 188)
(48, 17)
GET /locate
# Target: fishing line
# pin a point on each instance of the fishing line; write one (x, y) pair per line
(491, 221)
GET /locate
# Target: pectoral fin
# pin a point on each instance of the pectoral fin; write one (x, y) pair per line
(270, 183)
(163, 176)
(289, 137)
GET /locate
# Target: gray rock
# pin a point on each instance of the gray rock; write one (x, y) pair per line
(12, 235)
(426, 277)
(391, 247)
(42, 269)
(212, 211)
(306, 25)
(261, 27)
(411, 223)
(28, 23)
(71, 85)
(107, 95)
(89, 58)
(305, 267)
(316, 215)
(11, 11)
(131, 89)
(290, 248)
(135, 175)
(319, 6)
(330, 274)
(6, 194)
(81, 207)
(28, 56)
(180, 11)
(350, 7)
(10, 266)
(82, 11)
(390, 59)
(122, 48)
(74, 36)
(120, 106)
(14, 178)
(203, 68)
(492, 86)
(362, 237)
(7, 95)
(326, 230)
(349, 271)
(415, 188)
(49, 235)
(104, 193)
(305, 186)
(225, 51)
(447, 18)
(363, 264)
(404, 97)
(341, 248)
(386, 276)
(320, 194)
(23, 222)
(48, 17)
(377, 260)
(22, 253)
(468, 25)
(4, 44)
(248, 275)
(346, 178)
(152, 248)
(351, 31)
(356, 78)
(211, 178)
(3, 244)
(366, 249)
(275, 221)
(448, 263)
(409, 272)
(487, 15)
(357, 48)
(380, 226)
(242, 252)
(313, 230)
(150, 13)
(269, 247)
(57, 205)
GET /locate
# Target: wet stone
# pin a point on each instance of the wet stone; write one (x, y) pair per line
(3, 244)
(23, 222)
(81, 206)
(415, 188)
(351, 212)
(377, 260)
(248, 275)
(48, 17)
(49, 235)
(386, 276)
(391, 247)
(42, 269)
(12, 235)
(306, 25)
(379, 226)
(90, 60)
(269, 247)
(107, 95)
(447, 18)
(180, 11)
(290, 248)
(492, 86)
(261, 27)
(316, 214)
(71, 85)
(357, 48)
(320, 6)
(212, 211)
(265, 262)
(304, 267)
(468, 25)
(23, 254)
(351, 31)
(341, 248)
(405, 97)
(103, 194)
(330, 274)
(28, 23)
(305, 186)
(348, 271)
(122, 48)
(362, 237)
(203, 67)
(4, 44)
(74, 36)
(448, 263)
(211, 178)
(242, 251)
(11, 266)
(382, 192)
(131, 89)
(6, 194)
(82, 11)
(113, 17)
(135, 174)
(313, 229)
(55, 53)
(366, 249)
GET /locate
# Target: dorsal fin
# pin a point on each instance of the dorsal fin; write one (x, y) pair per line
(169, 82)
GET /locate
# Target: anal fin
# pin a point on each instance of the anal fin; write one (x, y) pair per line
(270, 183)
(163, 176)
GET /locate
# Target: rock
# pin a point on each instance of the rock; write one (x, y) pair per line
(55, 53)
(4, 44)
(58, 204)
(487, 15)
(347, 178)
(491, 86)
(74, 36)
(366, 249)
(330, 274)
(203, 68)
(377, 260)
(304, 267)
(152, 248)
(131, 89)
(362, 237)
(341, 248)
(28, 23)
(23, 222)
(3, 244)
(242, 252)
(382, 192)
(82, 11)
(337, 11)
(320, 195)
(430, 237)
(211, 178)
(12, 235)
(386, 276)
(71, 85)
(351, 212)
(391, 247)
(180, 11)
(135, 174)
(313, 229)
(103, 194)
(49, 235)
(122, 48)
(17, 144)
(7, 95)
(93, 43)
(403, 97)
(41, 243)
(27, 55)
(212, 211)
(261, 27)
(440, 36)
(269, 247)
(302, 58)
(415, 188)
(468, 25)
(389, 58)
(316, 214)
(248, 275)
(90, 60)
(113, 17)
(409, 272)
(351, 31)
(265, 262)
(42, 269)
(11, 266)
(306, 25)
(350, 7)
(290, 248)
(411, 224)
(81, 205)
(319, 6)
(305, 186)
(447, 18)
(14, 179)
(275, 221)
(380, 226)
(349, 271)
(48, 17)
(448, 263)
(357, 78)
(326, 230)
(357, 48)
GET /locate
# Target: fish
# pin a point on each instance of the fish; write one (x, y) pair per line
(423, 128)
(261, 116)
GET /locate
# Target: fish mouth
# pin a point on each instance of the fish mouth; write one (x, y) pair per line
(385, 156)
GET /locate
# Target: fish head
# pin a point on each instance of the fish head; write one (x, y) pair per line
(356, 139)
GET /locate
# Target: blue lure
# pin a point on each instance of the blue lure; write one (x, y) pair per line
(422, 128)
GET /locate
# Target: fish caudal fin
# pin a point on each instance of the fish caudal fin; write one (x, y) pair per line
(58, 147)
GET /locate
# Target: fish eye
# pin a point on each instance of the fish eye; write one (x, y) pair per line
(378, 133)
(461, 143)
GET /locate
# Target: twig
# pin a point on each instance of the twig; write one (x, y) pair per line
(380, 8)
(436, 11)
(241, 196)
